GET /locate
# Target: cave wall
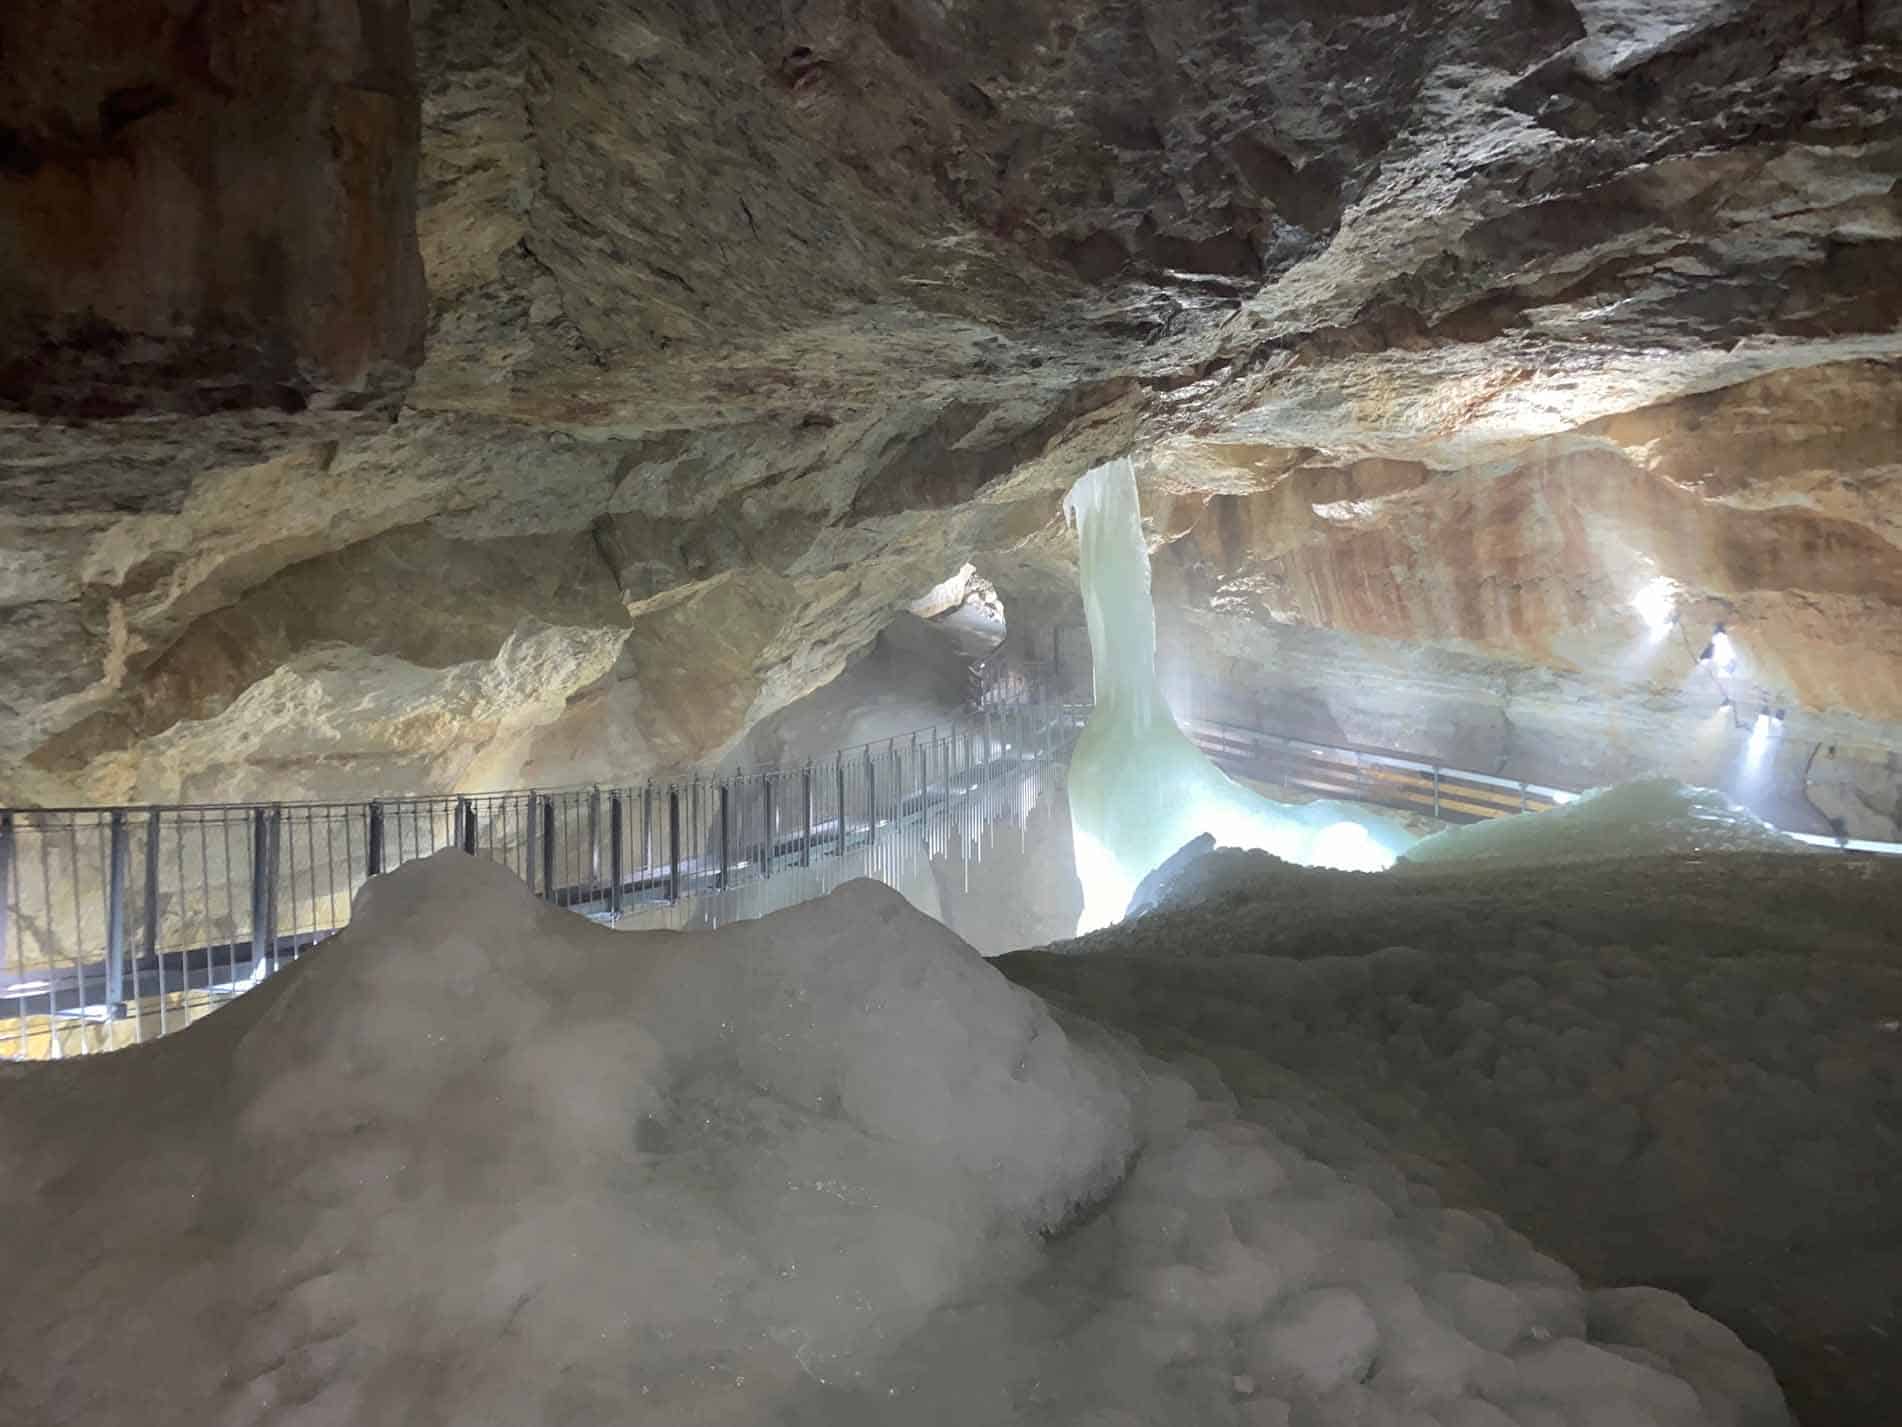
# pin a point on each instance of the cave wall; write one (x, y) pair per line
(1496, 617)
(746, 328)
(207, 207)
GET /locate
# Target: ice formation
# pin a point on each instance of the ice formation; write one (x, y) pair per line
(1139, 789)
(1653, 817)
(481, 1162)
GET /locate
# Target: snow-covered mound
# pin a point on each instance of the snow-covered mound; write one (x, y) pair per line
(480, 1162)
(1653, 817)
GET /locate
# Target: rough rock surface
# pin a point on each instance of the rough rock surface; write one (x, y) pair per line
(747, 328)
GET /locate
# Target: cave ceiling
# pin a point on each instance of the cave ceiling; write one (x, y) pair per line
(526, 390)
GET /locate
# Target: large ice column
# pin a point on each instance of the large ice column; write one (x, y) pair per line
(1139, 788)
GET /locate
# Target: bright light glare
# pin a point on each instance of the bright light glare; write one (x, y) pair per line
(1656, 602)
(1350, 847)
(1758, 745)
(1723, 655)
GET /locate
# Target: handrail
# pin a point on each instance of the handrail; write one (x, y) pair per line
(145, 917)
(1445, 777)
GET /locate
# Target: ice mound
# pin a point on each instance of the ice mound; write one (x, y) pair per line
(1653, 817)
(1139, 789)
(481, 1162)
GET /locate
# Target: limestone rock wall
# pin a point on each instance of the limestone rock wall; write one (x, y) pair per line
(1513, 618)
(746, 327)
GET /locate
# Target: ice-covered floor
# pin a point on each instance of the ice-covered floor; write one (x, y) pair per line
(1676, 1070)
(481, 1162)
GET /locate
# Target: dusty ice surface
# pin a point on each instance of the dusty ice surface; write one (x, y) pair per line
(481, 1162)
(1139, 789)
(1682, 1071)
(1653, 817)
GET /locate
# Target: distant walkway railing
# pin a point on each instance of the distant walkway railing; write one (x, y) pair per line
(118, 925)
(1393, 780)
(1362, 775)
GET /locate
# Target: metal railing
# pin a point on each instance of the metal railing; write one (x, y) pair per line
(1365, 775)
(118, 925)
(1393, 780)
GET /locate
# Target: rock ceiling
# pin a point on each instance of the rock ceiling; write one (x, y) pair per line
(745, 325)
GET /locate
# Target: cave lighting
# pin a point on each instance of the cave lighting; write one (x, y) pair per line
(1656, 604)
(1720, 652)
(1758, 744)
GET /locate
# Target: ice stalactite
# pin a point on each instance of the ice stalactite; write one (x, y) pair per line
(1139, 789)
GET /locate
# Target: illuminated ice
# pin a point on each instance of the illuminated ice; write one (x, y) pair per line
(1139, 789)
(1653, 817)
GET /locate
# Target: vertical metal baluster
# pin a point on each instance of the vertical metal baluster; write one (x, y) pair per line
(119, 859)
(207, 927)
(674, 843)
(49, 938)
(647, 829)
(16, 1037)
(83, 994)
(766, 859)
(283, 864)
(840, 767)
(373, 859)
(549, 888)
(185, 939)
(725, 834)
(149, 925)
(260, 888)
(614, 853)
(594, 846)
(805, 801)
(534, 817)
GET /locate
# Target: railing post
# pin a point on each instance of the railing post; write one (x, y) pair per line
(549, 890)
(149, 945)
(918, 763)
(466, 826)
(840, 764)
(871, 799)
(273, 852)
(1522, 796)
(374, 861)
(647, 826)
(614, 853)
(673, 844)
(6, 885)
(594, 841)
(805, 789)
(726, 833)
(1436, 790)
(766, 795)
(532, 835)
(261, 870)
(118, 851)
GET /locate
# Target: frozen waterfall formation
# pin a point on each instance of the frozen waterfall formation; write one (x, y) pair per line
(1139, 789)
